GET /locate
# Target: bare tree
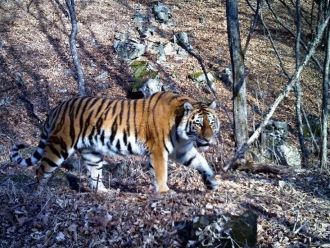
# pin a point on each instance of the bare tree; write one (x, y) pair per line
(239, 82)
(298, 90)
(73, 47)
(325, 99)
(242, 150)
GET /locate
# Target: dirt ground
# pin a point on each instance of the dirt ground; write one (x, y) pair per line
(36, 73)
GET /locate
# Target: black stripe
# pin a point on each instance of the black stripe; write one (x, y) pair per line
(125, 138)
(102, 138)
(42, 145)
(19, 160)
(165, 146)
(14, 155)
(118, 145)
(43, 136)
(129, 147)
(64, 109)
(87, 122)
(54, 150)
(174, 97)
(108, 108)
(81, 120)
(64, 154)
(81, 101)
(37, 155)
(153, 109)
(113, 130)
(49, 162)
(171, 140)
(91, 136)
(60, 142)
(101, 105)
(20, 146)
(114, 109)
(121, 113)
(128, 124)
(188, 163)
(100, 120)
(72, 124)
(134, 118)
(28, 161)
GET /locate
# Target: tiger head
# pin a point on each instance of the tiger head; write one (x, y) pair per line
(200, 124)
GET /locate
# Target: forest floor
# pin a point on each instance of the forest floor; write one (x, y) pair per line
(36, 73)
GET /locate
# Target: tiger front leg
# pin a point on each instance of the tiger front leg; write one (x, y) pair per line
(194, 159)
(158, 162)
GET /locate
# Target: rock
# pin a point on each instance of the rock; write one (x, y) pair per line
(274, 134)
(217, 231)
(162, 12)
(169, 49)
(182, 39)
(289, 155)
(145, 32)
(102, 77)
(199, 77)
(275, 145)
(150, 87)
(129, 48)
(142, 71)
(60, 237)
(226, 77)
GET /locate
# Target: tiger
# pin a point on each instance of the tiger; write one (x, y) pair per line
(166, 126)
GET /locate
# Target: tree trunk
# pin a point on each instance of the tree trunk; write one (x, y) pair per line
(239, 83)
(325, 103)
(73, 47)
(298, 90)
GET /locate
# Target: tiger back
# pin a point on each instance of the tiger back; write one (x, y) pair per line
(164, 126)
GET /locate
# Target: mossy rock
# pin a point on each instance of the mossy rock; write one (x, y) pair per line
(141, 73)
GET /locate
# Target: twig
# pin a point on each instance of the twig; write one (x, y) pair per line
(270, 39)
(317, 63)
(241, 151)
(184, 43)
(73, 47)
(252, 28)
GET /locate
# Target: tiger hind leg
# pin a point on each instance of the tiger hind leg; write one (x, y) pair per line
(94, 163)
(53, 157)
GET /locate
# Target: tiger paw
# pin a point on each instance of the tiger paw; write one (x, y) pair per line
(211, 183)
(163, 189)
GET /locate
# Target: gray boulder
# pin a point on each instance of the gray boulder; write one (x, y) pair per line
(151, 86)
(162, 12)
(129, 48)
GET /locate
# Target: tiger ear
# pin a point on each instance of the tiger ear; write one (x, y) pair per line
(187, 106)
(213, 105)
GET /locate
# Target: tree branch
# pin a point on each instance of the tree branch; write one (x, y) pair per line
(316, 62)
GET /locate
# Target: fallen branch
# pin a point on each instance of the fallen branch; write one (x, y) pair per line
(241, 150)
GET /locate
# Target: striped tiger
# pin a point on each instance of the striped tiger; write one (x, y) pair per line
(164, 126)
